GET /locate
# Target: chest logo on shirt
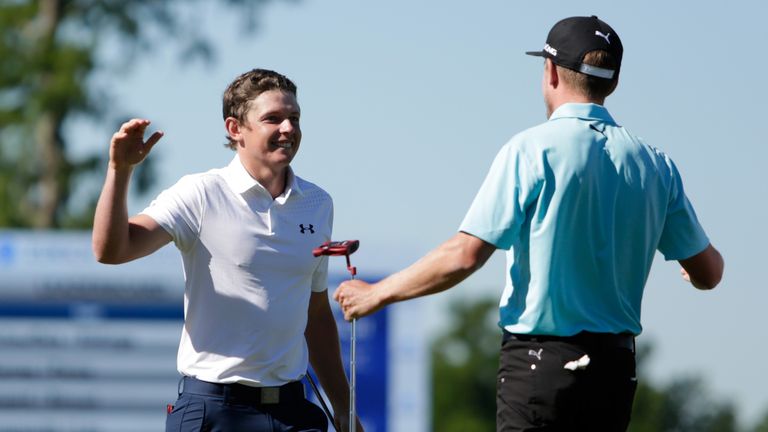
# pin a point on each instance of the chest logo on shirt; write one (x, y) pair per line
(304, 229)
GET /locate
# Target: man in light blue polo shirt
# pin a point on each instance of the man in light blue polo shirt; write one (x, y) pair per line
(581, 206)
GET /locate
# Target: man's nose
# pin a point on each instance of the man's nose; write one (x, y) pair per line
(287, 126)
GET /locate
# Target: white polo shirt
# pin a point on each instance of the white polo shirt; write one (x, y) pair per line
(249, 272)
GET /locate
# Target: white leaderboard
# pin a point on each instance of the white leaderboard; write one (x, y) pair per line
(91, 347)
(81, 375)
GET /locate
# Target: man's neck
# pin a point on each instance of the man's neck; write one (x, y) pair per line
(570, 97)
(274, 181)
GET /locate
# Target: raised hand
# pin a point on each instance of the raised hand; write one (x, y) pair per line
(128, 147)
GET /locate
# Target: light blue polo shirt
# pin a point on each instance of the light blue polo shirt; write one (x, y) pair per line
(581, 206)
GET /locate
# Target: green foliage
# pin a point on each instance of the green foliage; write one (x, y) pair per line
(464, 363)
(49, 50)
(680, 406)
(762, 425)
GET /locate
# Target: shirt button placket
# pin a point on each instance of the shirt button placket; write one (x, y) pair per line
(270, 224)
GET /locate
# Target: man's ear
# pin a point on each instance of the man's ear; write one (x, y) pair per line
(233, 128)
(550, 69)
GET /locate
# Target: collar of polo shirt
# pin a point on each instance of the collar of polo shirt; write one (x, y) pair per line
(587, 111)
(240, 181)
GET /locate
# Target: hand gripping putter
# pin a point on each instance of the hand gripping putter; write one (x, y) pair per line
(345, 248)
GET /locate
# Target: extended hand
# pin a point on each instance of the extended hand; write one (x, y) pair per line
(128, 147)
(357, 299)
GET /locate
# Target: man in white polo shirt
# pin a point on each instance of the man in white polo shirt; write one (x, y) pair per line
(255, 304)
(581, 206)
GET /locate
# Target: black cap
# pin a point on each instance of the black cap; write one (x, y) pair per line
(572, 38)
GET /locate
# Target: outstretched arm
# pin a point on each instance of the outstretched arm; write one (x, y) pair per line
(116, 238)
(703, 270)
(443, 268)
(325, 356)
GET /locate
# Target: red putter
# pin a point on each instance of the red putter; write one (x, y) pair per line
(345, 248)
(339, 248)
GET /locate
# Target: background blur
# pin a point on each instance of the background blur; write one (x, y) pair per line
(404, 105)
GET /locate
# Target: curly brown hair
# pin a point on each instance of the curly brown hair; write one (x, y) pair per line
(245, 88)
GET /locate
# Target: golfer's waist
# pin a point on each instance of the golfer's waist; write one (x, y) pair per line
(617, 340)
(291, 391)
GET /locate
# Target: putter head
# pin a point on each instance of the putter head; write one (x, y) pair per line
(337, 248)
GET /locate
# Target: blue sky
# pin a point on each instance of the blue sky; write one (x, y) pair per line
(406, 103)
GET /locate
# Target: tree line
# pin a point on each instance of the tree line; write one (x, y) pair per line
(50, 51)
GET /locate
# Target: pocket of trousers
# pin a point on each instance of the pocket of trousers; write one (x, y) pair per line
(188, 414)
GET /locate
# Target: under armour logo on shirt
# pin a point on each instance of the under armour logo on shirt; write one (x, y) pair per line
(310, 228)
(604, 36)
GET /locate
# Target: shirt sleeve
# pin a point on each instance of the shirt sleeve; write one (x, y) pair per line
(500, 206)
(320, 276)
(682, 236)
(179, 210)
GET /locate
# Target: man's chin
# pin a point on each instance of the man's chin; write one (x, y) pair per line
(283, 160)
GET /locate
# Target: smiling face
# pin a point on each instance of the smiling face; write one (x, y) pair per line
(269, 137)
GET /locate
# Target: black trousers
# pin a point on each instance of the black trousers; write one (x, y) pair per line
(584, 383)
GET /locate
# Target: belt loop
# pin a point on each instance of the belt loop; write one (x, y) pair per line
(180, 385)
(226, 393)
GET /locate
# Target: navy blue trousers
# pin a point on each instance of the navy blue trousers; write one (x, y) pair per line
(204, 407)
